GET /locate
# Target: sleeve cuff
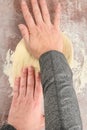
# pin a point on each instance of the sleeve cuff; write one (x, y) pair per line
(7, 127)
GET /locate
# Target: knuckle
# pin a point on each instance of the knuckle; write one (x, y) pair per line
(15, 101)
(22, 95)
(36, 12)
(26, 14)
(30, 79)
(15, 96)
(36, 102)
(24, 74)
(24, 7)
(30, 72)
(28, 100)
(17, 81)
(29, 85)
(33, 30)
(20, 100)
(22, 86)
(46, 14)
(41, 26)
(23, 32)
(15, 91)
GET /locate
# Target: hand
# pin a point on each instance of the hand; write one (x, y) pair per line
(26, 107)
(41, 35)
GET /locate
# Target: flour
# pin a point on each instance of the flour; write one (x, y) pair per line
(77, 31)
(7, 68)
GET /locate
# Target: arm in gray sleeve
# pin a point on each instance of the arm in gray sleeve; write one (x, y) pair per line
(7, 127)
(61, 105)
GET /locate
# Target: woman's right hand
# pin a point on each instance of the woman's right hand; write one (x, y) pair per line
(41, 35)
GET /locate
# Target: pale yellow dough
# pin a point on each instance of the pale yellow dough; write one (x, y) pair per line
(22, 58)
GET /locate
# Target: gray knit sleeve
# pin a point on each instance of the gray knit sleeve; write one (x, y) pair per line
(7, 127)
(61, 105)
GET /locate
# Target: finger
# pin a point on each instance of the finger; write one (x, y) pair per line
(45, 12)
(38, 87)
(36, 11)
(23, 82)
(42, 122)
(24, 32)
(27, 16)
(30, 82)
(57, 16)
(16, 87)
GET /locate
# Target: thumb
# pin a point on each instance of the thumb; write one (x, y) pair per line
(24, 31)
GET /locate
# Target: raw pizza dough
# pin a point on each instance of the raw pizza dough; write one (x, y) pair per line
(22, 58)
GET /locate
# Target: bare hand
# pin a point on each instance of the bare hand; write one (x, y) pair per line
(41, 35)
(26, 107)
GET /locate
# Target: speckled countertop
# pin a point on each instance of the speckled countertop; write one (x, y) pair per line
(73, 23)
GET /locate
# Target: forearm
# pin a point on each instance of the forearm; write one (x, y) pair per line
(61, 106)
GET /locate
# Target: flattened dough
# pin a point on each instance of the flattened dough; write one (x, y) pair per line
(22, 58)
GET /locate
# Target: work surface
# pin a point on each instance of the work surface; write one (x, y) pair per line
(73, 23)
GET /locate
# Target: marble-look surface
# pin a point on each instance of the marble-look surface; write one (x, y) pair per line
(74, 23)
